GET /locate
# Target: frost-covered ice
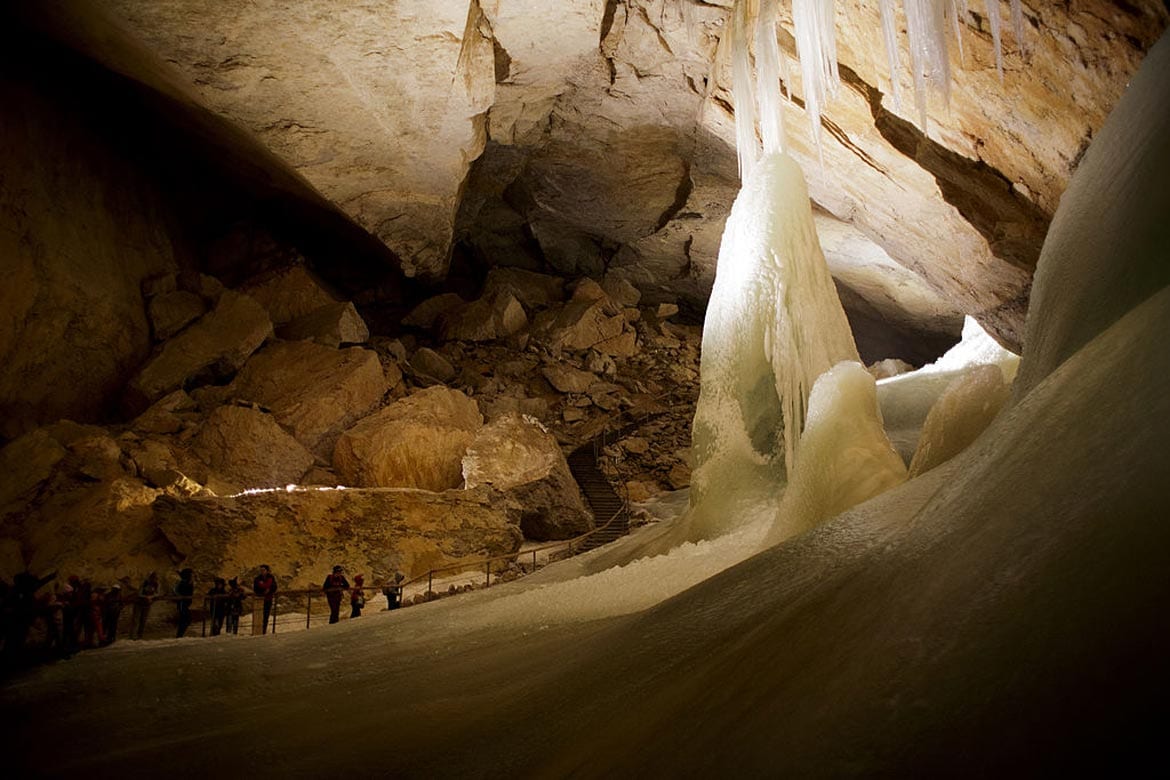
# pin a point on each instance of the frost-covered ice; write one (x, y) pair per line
(844, 457)
(774, 324)
(906, 399)
(962, 412)
(815, 29)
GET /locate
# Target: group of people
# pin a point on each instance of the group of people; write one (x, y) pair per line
(336, 586)
(81, 615)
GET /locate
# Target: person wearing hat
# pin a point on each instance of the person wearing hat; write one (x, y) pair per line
(335, 585)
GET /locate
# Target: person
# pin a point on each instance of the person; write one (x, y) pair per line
(235, 605)
(111, 611)
(335, 584)
(146, 595)
(22, 605)
(357, 597)
(265, 586)
(95, 635)
(217, 604)
(184, 589)
(393, 591)
(74, 601)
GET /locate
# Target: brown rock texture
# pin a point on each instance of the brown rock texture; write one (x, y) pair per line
(313, 391)
(303, 533)
(416, 442)
(247, 447)
(217, 345)
(331, 325)
(518, 456)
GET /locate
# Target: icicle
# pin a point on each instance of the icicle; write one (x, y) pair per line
(956, 9)
(890, 34)
(993, 20)
(1018, 23)
(816, 45)
(768, 79)
(741, 88)
(925, 25)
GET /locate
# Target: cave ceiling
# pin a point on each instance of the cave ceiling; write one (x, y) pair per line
(597, 136)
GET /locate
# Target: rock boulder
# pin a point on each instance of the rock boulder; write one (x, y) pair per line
(518, 456)
(416, 442)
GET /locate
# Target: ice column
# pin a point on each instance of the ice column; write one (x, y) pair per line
(774, 323)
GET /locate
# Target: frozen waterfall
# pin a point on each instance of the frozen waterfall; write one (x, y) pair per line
(773, 325)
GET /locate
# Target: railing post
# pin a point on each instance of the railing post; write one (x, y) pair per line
(430, 580)
(487, 583)
(308, 609)
(203, 628)
(534, 560)
(275, 602)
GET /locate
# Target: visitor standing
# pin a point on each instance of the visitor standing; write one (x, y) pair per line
(393, 591)
(264, 586)
(146, 596)
(184, 589)
(335, 584)
(235, 605)
(111, 611)
(357, 597)
(217, 604)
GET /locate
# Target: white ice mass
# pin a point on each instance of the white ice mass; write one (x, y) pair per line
(774, 324)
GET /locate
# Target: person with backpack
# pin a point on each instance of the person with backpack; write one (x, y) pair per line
(335, 585)
(264, 586)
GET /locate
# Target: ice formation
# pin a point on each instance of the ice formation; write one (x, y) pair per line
(773, 325)
(844, 458)
(816, 45)
(906, 399)
(962, 412)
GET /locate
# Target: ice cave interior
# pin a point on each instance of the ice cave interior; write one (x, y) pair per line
(959, 570)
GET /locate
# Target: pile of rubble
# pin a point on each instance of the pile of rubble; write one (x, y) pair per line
(449, 438)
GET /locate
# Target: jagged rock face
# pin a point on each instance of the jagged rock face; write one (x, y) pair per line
(518, 456)
(588, 135)
(304, 533)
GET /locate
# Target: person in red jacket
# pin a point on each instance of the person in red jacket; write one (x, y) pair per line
(335, 585)
(264, 586)
(357, 597)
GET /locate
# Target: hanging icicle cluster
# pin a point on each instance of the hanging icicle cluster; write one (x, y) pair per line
(754, 26)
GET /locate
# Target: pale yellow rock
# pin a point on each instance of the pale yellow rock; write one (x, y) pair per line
(304, 533)
(532, 289)
(331, 325)
(313, 391)
(517, 455)
(416, 442)
(248, 448)
(289, 293)
(217, 344)
(567, 379)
